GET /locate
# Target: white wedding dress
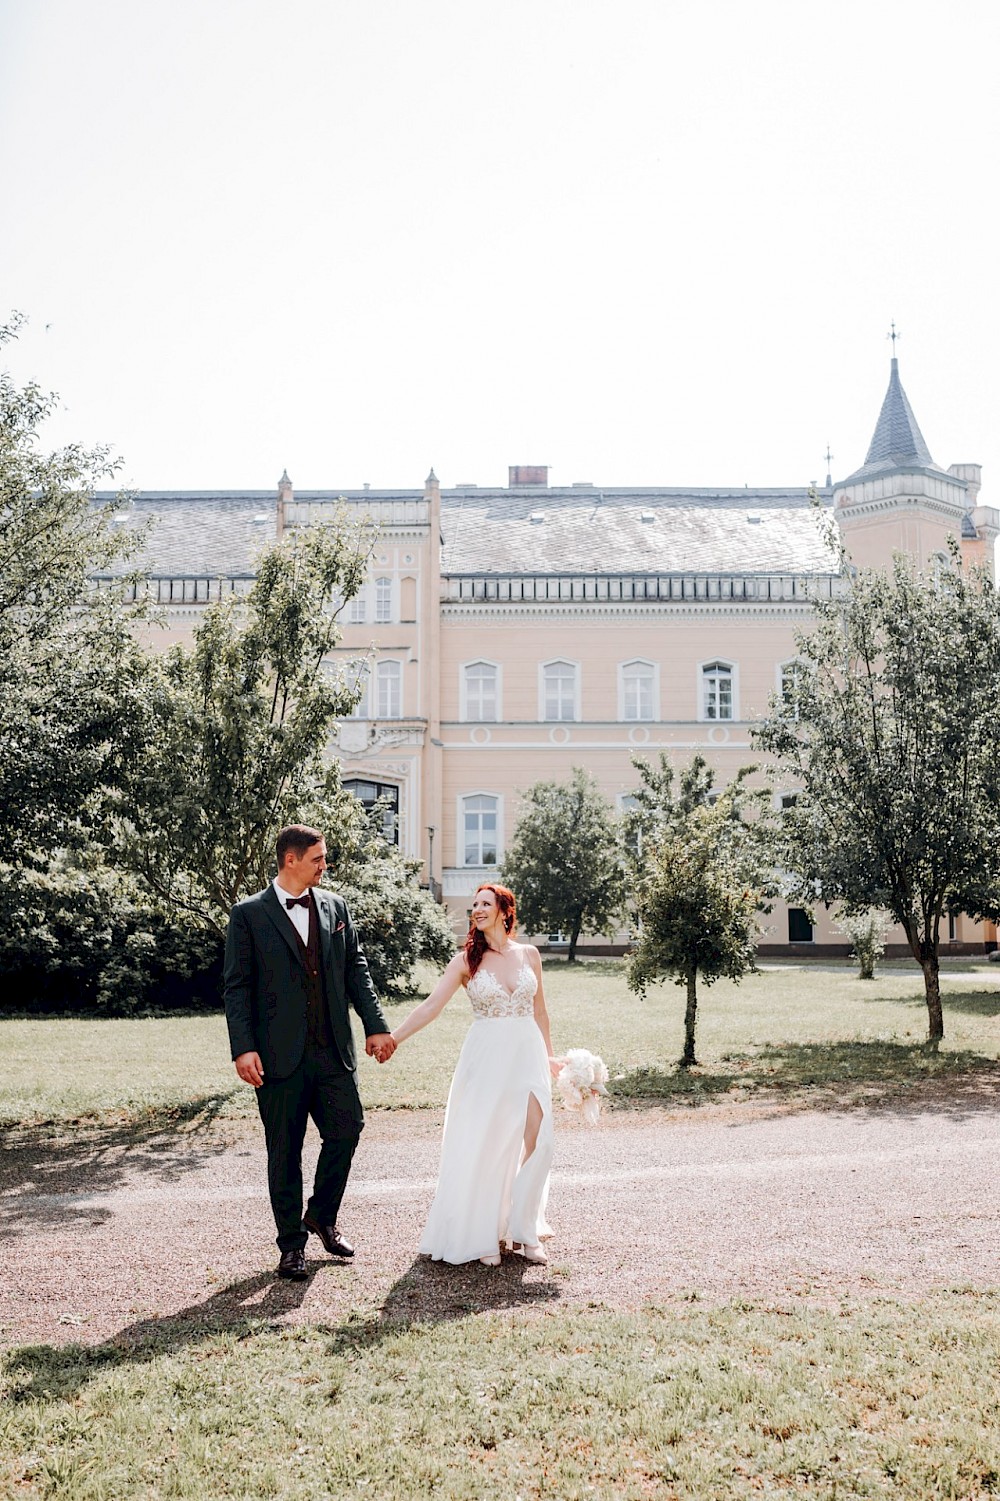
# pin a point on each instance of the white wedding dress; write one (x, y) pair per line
(486, 1195)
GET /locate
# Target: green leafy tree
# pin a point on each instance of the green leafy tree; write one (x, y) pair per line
(703, 875)
(563, 861)
(890, 729)
(70, 668)
(237, 733)
(867, 932)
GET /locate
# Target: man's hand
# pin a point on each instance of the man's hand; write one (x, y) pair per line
(381, 1046)
(250, 1069)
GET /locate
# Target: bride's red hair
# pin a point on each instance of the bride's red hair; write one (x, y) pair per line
(475, 942)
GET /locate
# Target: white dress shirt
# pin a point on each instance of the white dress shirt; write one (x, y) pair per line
(297, 916)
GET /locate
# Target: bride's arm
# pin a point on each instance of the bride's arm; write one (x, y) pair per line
(456, 973)
(541, 1010)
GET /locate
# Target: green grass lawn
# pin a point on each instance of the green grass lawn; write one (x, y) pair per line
(865, 1400)
(686, 1403)
(787, 1027)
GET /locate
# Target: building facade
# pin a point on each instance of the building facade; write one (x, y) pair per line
(507, 635)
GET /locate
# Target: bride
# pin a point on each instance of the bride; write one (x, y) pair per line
(498, 1138)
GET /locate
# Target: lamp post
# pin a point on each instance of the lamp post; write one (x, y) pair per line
(430, 858)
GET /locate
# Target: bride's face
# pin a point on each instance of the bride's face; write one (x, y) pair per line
(484, 909)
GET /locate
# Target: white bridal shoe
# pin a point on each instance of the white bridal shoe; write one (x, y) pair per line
(534, 1254)
(490, 1260)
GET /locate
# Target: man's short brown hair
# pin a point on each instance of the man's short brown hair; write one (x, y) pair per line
(296, 838)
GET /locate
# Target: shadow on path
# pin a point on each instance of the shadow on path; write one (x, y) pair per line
(426, 1294)
(251, 1306)
(41, 1177)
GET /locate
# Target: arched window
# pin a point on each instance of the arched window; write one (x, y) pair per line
(479, 829)
(559, 690)
(637, 690)
(383, 600)
(389, 700)
(479, 691)
(717, 690)
(789, 678)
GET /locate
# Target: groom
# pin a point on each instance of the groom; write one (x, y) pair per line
(293, 966)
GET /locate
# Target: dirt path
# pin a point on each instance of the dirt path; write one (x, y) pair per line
(110, 1235)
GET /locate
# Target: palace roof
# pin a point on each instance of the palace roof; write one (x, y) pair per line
(521, 530)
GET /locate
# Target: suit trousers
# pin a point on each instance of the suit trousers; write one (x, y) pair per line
(322, 1088)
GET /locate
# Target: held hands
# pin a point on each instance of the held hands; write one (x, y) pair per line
(381, 1046)
(556, 1066)
(250, 1069)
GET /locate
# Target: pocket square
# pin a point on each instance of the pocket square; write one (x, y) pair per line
(339, 928)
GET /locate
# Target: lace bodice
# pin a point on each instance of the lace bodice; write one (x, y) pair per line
(489, 998)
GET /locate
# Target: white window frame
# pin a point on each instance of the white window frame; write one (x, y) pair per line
(554, 662)
(734, 678)
(779, 676)
(358, 608)
(463, 691)
(460, 802)
(654, 679)
(384, 594)
(382, 673)
(357, 671)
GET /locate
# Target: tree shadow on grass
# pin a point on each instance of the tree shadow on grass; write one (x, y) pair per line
(871, 1075)
(970, 1002)
(47, 1180)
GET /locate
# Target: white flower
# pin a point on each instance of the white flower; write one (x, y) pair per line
(581, 1082)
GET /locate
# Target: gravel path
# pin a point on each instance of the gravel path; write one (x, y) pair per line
(105, 1234)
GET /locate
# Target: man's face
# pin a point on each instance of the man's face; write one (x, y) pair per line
(306, 869)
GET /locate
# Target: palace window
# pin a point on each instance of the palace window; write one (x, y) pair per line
(800, 929)
(373, 794)
(357, 677)
(479, 829)
(480, 681)
(717, 690)
(358, 608)
(637, 690)
(789, 678)
(559, 681)
(383, 601)
(389, 699)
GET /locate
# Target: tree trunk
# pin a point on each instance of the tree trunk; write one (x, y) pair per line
(574, 935)
(932, 989)
(688, 1058)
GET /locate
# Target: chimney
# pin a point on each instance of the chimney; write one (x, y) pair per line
(285, 497)
(527, 474)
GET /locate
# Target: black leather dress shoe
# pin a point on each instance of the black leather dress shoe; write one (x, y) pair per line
(293, 1264)
(330, 1236)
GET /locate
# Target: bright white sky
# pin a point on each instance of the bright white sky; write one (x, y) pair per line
(642, 241)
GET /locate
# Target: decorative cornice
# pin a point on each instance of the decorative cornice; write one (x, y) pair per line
(604, 609)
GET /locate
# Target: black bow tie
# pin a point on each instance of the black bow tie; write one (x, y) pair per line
(296, 901)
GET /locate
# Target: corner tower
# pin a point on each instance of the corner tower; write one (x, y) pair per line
(899, 500)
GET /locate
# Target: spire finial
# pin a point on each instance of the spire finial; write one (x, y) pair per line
(893, 335)
(828, 456)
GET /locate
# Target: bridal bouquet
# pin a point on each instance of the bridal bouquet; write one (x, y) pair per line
(581, 1083)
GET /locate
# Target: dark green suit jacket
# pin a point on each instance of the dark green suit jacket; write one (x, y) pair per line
(265, 982)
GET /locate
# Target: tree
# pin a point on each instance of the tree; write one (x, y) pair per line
(237, 735)
(563, 861)
(69, 665)
(890, 730)
(703, 874)
(867, 932)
